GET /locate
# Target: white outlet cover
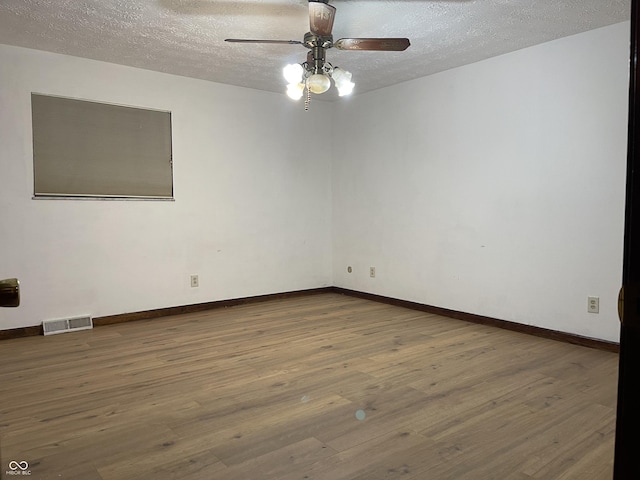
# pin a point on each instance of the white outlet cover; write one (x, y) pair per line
(593, 304)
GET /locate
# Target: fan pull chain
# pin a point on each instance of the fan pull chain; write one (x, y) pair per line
(307, 100)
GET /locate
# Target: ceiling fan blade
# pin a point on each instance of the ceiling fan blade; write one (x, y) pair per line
(244, 40)
(321, 16)
(380, 44)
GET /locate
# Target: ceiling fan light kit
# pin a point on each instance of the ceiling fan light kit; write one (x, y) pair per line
(316, 73)
(301, 76)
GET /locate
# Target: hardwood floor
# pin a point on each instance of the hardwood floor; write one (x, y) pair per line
(272, 390)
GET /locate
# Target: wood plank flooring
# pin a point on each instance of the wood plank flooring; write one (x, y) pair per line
(271, 391)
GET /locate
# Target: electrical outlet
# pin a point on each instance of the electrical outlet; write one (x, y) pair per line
(372, 272)
(593, 304)
(194, 281)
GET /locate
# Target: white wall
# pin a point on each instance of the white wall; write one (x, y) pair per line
(252, 211)
(496, 188)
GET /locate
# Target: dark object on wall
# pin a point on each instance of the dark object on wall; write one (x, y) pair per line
(626, 463)
(9, 292)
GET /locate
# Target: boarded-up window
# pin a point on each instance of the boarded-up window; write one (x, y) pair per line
(91, 149)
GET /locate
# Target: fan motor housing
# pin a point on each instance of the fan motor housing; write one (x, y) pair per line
(311, 40)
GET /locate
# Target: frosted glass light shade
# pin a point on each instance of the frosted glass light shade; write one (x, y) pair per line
(339, 75)
(293, 73)
(342, 79)
(345, 88)
(318, 83)
(295, 90)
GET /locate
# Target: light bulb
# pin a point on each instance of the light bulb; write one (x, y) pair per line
(295, 90)
(318, 83)
(293, 73)
(342, 79)
(345, 88)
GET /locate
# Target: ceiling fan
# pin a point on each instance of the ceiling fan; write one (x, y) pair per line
(314, 75)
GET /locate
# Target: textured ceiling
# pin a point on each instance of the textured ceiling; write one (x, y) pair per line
(186, 37)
